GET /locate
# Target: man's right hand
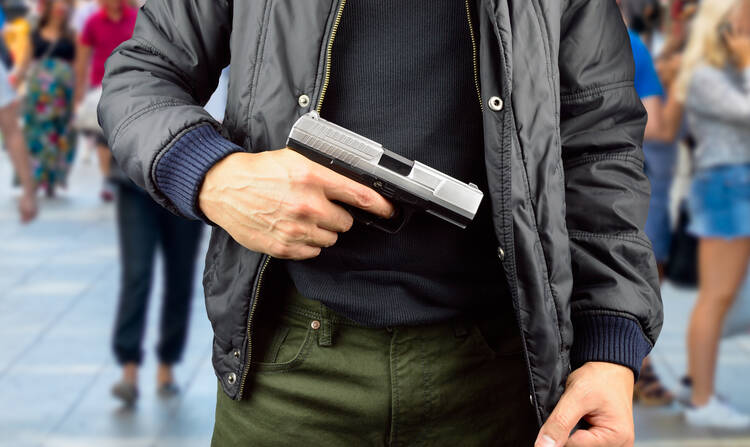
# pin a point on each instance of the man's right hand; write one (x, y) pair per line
(280, 202)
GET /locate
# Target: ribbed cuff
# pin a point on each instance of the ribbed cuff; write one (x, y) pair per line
(180, 172)
(608, 338)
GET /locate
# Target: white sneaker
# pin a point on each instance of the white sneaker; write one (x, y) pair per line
(683, 393)
(716, 414)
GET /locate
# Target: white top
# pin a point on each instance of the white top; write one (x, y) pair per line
(718, 114)
(84, 10)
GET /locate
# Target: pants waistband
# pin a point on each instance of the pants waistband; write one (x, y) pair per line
(296, 304)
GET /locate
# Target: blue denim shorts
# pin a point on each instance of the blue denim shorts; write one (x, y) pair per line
(719, 202)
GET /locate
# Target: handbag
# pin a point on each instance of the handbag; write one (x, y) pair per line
(682, 268)
(85, 119)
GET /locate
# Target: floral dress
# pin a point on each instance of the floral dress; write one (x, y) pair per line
(48, 109)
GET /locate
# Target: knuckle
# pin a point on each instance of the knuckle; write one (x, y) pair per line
(303, 174)
(301, 209)
(291, 231)
(281, 250)
(364, 198)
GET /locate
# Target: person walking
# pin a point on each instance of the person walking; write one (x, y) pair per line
(714, 90)
(47, 106)
(509, 332)
(143, 229)
(104, 30)
(16, 146)
(659, 164)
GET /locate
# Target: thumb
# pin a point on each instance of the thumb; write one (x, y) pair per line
(565, 416)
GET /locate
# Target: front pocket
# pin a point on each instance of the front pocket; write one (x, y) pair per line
(281, 347)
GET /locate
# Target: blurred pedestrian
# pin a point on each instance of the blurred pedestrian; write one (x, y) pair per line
(714, 86)
(143, 226)
(16, 146)
(17, 29)
(648, 389)
(47, 106)
(109, 26)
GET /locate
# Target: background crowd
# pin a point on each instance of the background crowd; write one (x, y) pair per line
(692, 72)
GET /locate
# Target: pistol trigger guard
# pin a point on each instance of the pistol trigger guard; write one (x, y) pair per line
(391, 225)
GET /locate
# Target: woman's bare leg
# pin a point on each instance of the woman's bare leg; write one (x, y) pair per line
(722, 265)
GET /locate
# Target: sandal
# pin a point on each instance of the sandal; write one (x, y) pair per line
(649, 391)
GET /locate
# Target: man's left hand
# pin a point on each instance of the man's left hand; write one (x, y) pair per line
(600, 393)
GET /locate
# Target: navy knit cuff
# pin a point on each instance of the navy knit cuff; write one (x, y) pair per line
(180, 171)
(608, 338)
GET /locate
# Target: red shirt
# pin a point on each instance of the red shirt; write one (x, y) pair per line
(103, 35)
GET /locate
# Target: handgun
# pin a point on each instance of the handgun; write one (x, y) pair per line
(409, 185)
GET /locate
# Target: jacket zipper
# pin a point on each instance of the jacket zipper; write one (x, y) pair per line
(329, 49)
(249, 328)
(474, 55)
(267, 258)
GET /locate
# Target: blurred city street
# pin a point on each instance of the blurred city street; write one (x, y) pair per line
(58, 291)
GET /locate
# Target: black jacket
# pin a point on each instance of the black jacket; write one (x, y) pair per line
(562, 151)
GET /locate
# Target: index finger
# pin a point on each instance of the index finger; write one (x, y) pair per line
(339, 187)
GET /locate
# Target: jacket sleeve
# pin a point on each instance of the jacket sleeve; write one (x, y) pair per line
(154, 89)
(616, 306)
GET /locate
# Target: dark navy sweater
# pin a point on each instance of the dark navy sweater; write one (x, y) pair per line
(402, 74)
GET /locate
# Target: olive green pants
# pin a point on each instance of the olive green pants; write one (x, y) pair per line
(318, 378)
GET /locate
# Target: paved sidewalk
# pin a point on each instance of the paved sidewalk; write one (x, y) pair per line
(58, 292)
(58, 285)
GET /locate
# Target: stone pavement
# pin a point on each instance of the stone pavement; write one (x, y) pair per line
(58, 283)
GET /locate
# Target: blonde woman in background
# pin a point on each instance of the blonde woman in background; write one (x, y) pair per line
(713, 90)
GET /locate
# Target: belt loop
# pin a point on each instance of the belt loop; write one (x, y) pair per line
(325, 333)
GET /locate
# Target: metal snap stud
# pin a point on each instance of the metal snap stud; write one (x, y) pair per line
(303, 101)
(237, 353)
(500, 253)
(231, 378)
(496, 103)
(315, 324)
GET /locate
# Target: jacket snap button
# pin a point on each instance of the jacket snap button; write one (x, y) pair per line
(237, 353)
(303, 100)
(496, 103)
(531, 400)
(315, 324)
(231, 378)
(500, 253)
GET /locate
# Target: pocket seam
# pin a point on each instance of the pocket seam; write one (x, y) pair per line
(289, 365)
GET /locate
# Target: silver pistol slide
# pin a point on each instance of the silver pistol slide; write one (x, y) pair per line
(409, 185)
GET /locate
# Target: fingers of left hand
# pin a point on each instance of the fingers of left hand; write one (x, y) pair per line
(593, 393)
(599, 437)
(573, 405)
